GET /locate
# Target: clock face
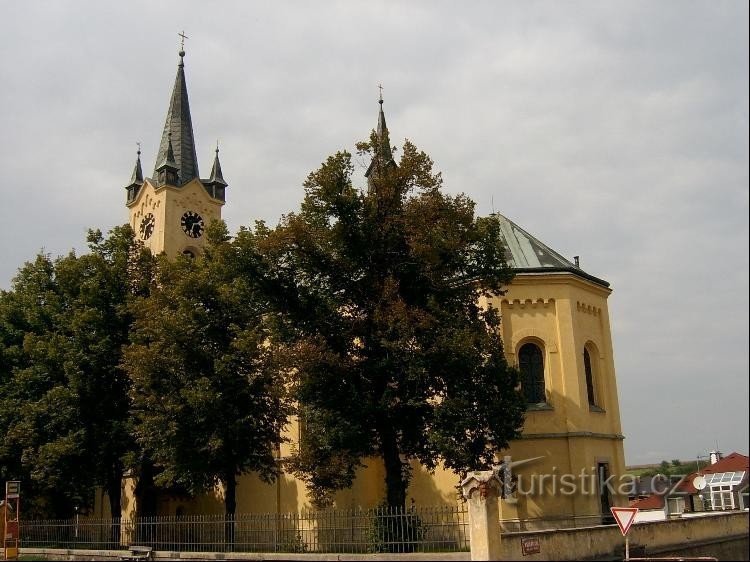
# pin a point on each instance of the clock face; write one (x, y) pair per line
(147, 226)
(192, 224)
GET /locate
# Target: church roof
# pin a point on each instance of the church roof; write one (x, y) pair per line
(180, 125)
(527, 254)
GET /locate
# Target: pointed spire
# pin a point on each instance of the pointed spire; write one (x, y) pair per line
(216, 175)
(215, 184)
(179, 126)
(382, 153)
(136, 179)
(167, 170)
(382, 130)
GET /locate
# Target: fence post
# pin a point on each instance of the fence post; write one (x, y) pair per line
(482, 489)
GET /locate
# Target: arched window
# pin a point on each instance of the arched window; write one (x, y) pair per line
(592, 376)
(589, 377)
(531, 364)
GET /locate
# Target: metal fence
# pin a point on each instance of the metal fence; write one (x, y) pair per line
(422, 529)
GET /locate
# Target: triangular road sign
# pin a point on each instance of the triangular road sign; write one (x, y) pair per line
(624, 517)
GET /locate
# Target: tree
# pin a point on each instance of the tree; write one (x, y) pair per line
(34, 423)
(208, 402)
(64, 400)
(395, 356)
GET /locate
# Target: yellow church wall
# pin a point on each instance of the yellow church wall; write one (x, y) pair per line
(535, 496)
(168, 203)
(190, 197)
(563, 313)
(148, 201)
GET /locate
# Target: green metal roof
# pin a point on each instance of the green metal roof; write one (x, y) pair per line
(527, 254)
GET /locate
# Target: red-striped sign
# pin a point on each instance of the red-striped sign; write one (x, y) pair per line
(624, 517)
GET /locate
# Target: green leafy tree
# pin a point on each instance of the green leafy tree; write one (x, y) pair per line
(208, 401)
(395, 356)
(64, 402)
(33, 423)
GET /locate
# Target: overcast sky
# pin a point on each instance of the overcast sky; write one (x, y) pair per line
(617, 131)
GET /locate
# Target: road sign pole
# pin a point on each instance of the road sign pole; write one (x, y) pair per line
(11, 519)
(624, 517)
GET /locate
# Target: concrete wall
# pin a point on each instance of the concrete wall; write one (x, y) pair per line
(677, 536)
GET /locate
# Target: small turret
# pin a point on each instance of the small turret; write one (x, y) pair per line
(167, 172)
(215, 184)
(136, 179)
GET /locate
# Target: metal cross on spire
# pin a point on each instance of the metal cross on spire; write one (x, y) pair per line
(139, 148)
(182, 40)
(380, 87)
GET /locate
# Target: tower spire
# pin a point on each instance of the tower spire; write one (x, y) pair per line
(167, 171)
(180, 125)
(136, 179)
(382, 158)
(215, 184)
(216, 175)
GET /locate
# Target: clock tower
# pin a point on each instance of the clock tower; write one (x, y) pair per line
(170, 211)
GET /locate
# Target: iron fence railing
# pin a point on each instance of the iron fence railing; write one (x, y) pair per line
(383, 529)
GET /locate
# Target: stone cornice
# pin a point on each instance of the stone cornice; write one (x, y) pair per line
(558, 278)
(174, 189)
(573, 434)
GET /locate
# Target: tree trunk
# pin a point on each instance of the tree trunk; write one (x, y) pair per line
(395, 473)
(145, 490)
(145, 493)
(230, 507)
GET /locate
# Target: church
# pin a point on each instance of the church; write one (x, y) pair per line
(555, 328)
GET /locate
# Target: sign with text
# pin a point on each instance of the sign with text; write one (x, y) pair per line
(624, 516)
(12, 489)
(530, 545)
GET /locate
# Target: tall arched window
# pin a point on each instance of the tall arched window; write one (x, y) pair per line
(531, 364)
(590, 391)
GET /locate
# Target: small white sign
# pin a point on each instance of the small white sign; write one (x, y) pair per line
(624, 516)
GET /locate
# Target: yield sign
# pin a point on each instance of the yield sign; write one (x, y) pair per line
(624, 517)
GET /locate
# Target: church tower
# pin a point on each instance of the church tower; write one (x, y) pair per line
(170, 211)
(382, 153)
